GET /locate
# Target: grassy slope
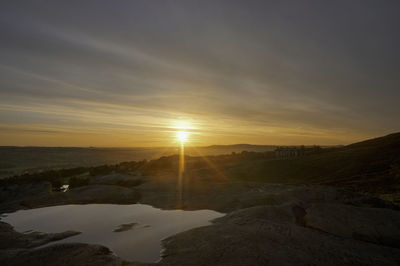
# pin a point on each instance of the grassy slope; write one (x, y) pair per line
(369, 166)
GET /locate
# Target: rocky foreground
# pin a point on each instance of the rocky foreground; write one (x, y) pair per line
(265, 224)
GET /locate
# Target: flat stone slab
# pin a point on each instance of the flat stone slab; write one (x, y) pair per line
(380, 226)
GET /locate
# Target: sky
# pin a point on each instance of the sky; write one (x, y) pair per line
(132, 73)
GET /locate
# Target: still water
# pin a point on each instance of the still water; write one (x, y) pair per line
(133, 232)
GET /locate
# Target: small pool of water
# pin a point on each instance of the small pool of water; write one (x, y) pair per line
(133, 232)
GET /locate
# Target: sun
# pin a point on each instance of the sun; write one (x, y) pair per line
(182, 136)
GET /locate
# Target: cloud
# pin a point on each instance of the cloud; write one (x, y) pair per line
(247, 71)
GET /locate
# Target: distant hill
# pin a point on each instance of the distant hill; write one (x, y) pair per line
(371, 166)
(388, 141)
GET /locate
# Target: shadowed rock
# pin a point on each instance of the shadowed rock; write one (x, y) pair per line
(118, 180)
(65, 254)
(265, 225)
(380, 226)
(86, 194)
(270, 235)
(10, 239)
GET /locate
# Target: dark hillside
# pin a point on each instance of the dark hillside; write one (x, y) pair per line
(371, 166)
(388, 141)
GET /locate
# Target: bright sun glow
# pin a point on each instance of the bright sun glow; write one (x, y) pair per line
(182, 124)
(182, 136)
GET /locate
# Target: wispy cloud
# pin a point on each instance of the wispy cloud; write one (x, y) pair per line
(284, 74)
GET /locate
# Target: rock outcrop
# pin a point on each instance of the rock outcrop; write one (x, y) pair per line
(265, 225)
(10, 239)
(80, 195)
(379, 226)
(274, 235)
(64, 255)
